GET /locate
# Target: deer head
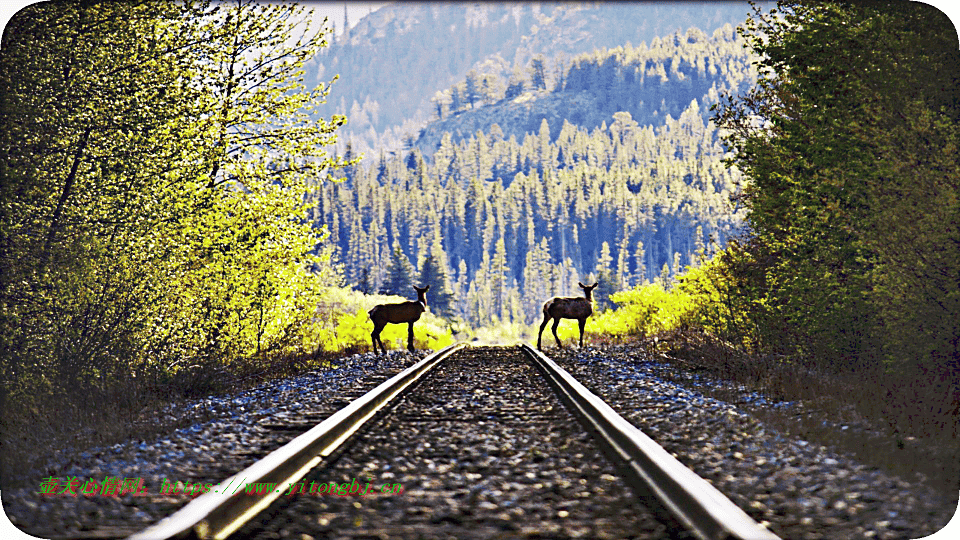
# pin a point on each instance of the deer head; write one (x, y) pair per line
(422, 294)
(588, 291)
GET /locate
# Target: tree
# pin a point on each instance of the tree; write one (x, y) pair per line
(538, 73)
(491, 88)
(852, 198)
(514, 85)
(471, 92)
(147, 220)
(455, 101)
(438, 100)
(72, 125)
(607, 282)
(400, 273)
(433, 274)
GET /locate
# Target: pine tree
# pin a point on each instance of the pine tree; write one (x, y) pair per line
(499, 271)
(434, 275)
(538, 73)
(365, 284)
(514, 85)
(471, 91)
(607, 283)
(400, 274)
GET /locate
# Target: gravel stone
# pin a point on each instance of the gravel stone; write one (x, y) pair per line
(483, 449)
(242, 430)
(799, 489)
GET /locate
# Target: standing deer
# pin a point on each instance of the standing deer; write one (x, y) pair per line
(405, 312)
(567, 308)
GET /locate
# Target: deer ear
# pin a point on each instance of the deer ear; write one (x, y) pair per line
(582, 286)
(427, 288)
(595, 285)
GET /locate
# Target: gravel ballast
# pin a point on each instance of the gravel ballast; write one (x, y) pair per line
(245, 427)
(482, 448)
(798, 488)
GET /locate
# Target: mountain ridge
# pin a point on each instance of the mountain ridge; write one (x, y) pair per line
(394, 60)
(652, 84)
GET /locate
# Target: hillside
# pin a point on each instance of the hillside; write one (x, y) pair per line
(653, 83)
(516, 197)
(394, 61)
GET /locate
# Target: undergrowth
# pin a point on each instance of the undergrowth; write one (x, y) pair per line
(142, 405)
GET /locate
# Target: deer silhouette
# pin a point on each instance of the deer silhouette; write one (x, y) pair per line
(567, 308)
(404, 312)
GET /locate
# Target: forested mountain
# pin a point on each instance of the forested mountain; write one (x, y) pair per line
(394, 61)
(652, 83)
(508, 216)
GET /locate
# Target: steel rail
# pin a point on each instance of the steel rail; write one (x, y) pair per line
(679, 493)
(217, 515)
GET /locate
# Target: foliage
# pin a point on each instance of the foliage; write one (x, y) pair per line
(434, 275)
(400, 273)
(148, 222)
(694, 299)
(853, 170)
(652, 83)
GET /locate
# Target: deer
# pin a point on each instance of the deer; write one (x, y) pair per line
(404, 312)
(567, 308)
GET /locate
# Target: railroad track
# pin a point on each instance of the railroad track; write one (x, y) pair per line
(470, 442)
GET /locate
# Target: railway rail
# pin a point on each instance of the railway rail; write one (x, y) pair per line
(483, 442)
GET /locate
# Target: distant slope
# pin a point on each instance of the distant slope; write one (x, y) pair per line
(652, 83)
(394, 60)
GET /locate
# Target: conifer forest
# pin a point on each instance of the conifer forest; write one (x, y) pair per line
(508, 219)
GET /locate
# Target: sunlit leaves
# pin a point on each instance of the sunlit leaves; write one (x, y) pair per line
(155, 157)
(842, 142)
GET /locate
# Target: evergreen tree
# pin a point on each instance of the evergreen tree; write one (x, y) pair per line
(471, 92)
(400, 274)
(365, 284)
(514, 85)
(441, 297)
(607, 282)
(538, 73)
(455, 101)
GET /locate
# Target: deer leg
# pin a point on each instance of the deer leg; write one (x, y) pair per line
(375, 337)
(583, 323)
(556, 323)
(546, 319)
(410, 337)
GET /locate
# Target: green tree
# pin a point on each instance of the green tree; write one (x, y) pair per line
(90, 143)
(853, 180)
(538, 73)
(433, 274)
(400, 274)
(471, 88)
(607, 282)
(514, 84)
(147, 220)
